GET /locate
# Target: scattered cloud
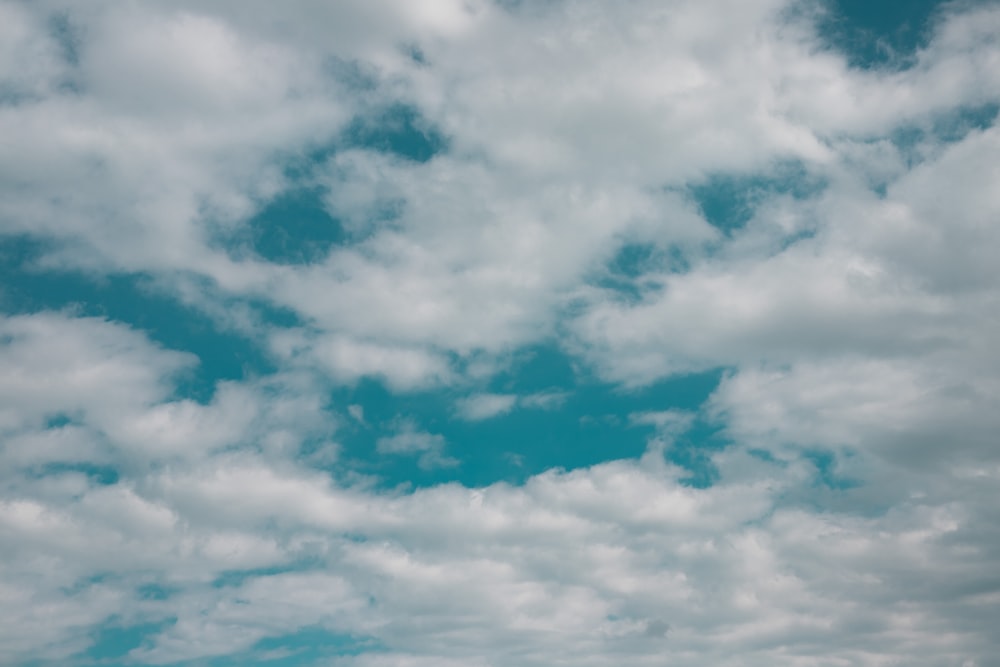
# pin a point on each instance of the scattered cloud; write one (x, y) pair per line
(409, 440)
(357, 412)
(486, 406)
(654, 192)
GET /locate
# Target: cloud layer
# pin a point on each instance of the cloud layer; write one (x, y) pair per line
(395, 205)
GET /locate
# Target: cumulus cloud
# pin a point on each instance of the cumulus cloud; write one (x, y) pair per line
(564, 193)
(579, 565)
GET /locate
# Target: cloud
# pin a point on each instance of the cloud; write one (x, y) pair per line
(80, 390)
(348, 360)
(543, 400)
(865, 281)
(556, 174)
(486, 406)
(577, 564)
(357, 412)
(55, 365)
(666, 422)
(408, 440)
(567, 200)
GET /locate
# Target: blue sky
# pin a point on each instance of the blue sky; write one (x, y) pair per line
(499, 334)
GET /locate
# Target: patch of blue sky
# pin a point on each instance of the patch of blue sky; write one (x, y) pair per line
(825, 463)
(636, 268)
(635, 259)
(590, 424)
(951, 126)
(351, 73)
(728, 201)
(67, 36)
(59, 420)
(83, 583)
(883, 34)
(693, 452)
(114, 640)
(958, 124)
(153, 591)
(236, 578)
(828, 484)
(101, 475)
(296, 226)
(400, 130)
(309, 646)
(919, 141)
(134, 300)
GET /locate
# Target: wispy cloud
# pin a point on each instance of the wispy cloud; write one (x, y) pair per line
(486, 406)
(409, 440)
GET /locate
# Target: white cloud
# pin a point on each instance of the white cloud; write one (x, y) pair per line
(560, 151)
(577, 565)
(357, 412)
(570, 566)
(54, 365)
(402, 367)
(857, 322)
(667, 422)
(87, 390)
(543, 400)
(485, 406)
(409, 440)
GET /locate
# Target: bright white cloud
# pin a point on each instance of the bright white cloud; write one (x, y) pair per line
(853, 520)
(571, 566)
(557, 151)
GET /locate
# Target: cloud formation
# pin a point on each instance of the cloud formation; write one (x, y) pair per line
(409, 230)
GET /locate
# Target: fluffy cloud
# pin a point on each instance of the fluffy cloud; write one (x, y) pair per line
(88, 391)
(560, 152)
(562, 196)
(615, 564)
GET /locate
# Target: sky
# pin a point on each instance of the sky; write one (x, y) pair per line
(500, 333)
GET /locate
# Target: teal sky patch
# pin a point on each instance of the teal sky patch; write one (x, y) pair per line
(587, 422)
(880, 33)
(309, 646)
(948, 127)
(295, 228)
(115, 640)
(728, 201)
(399, 130)
(96, 474)
(637, 269)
